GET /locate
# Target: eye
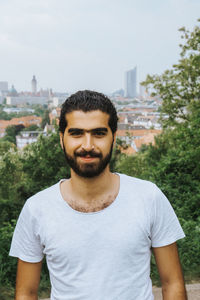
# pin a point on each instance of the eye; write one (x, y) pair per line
(99, 133)
(76, 133)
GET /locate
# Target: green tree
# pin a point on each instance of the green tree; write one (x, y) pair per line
(173, 162)
(8, 265)
(174, 159)
(45, 119)
(11, 132)
(23, 173)
(32, 127)
(179, 87)
(5, 146)
(4, 115)
(44, 163)
(13, 185)
(39, 109)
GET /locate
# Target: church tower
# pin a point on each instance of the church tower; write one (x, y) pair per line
(34, 85)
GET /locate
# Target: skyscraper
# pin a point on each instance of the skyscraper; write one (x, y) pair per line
(34, 85)
(131, 83)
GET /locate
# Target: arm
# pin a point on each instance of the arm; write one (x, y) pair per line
(169, 268)
(28, 279)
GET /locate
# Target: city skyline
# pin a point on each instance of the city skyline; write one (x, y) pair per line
(74, 45)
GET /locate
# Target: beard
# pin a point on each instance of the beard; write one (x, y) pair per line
(88, 170)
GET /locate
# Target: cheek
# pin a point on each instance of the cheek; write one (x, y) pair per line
(104, 146)
(71, 145)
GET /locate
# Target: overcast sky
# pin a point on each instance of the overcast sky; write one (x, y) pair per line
(88, 44)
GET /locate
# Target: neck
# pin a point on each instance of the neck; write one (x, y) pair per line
(91, 188)
(91, 194)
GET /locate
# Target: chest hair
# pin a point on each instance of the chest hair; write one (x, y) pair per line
(93, 206)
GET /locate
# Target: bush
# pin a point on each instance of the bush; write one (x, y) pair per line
(189, 249)
(7, 263)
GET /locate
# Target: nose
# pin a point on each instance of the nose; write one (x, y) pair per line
(87, 144)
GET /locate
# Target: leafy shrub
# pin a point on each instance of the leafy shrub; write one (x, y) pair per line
(7, 264)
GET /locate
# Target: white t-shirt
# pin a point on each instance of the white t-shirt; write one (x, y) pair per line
(102, 255)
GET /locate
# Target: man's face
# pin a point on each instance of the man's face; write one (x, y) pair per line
(87, 142)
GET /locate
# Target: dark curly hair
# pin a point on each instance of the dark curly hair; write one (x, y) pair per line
(88, 101)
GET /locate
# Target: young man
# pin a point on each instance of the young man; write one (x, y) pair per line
(97, 228)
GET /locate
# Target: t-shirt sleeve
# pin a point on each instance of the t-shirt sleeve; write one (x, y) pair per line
(26, 243)
(166, 228)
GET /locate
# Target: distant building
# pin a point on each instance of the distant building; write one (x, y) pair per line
(23, 100)
(58, 101)
(45, 93)
(34, 85)
(55, 115)
(118, 93)
(131, 83)
(3, 86)
(135, 138)
(18, 110)
(13, 91)
(28, 137)
(143, 91)
(3, 90)
(25, 121)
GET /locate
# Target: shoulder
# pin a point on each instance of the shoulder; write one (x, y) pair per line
(143, 192)
(137, 184)
(42, 200)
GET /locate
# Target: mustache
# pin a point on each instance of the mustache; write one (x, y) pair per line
(91, 153)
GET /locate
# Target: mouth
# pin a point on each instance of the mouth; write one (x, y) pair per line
(88, 158)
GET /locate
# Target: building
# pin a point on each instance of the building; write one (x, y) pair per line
(135, 138)
(143, 91)
(25, 121)
(27, 137)
(57, 101)
(4, 86)
(55, 115)
(34, 85)
(3, 90)
(10, 110)
(23, 100)
(13, 92)
(131, 83)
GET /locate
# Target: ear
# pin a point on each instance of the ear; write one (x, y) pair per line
(61, 140)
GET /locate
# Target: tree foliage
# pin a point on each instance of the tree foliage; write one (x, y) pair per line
(5, 146)
(24, 173)
(11, 132)
(44, 163)
(32, 127)
(173, 162)
(45, 119)
(179, 87)
(8, 116)
(7, 264)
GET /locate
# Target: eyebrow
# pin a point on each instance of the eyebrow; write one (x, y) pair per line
(94, 130)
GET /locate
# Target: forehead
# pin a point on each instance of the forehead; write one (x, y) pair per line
(87, 120)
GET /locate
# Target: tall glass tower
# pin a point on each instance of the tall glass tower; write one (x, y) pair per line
(131, 83)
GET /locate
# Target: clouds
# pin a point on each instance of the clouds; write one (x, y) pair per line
(89, 44)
